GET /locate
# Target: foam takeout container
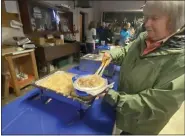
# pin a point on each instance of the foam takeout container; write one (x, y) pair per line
(88, 91)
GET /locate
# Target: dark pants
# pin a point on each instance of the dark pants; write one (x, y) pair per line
(125, 133)
(89, 47)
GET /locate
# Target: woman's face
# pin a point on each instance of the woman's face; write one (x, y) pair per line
(157, 26)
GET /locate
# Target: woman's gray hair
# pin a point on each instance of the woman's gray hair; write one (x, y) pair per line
(174, 9)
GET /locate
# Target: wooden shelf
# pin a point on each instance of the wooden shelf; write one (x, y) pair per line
(43, 33)
(70, 32)
(26, 63)
(23, 83)
(20, 55)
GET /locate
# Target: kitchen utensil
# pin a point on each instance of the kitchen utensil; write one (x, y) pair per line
(102, 67)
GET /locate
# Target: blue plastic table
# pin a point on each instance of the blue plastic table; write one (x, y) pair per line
(31, 116)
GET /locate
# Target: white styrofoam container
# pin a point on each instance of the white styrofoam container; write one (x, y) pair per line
(91, 91)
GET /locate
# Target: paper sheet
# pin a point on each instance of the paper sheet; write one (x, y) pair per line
(11, 7)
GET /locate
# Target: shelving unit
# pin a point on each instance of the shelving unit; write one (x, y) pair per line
(23, 83)
(26, 63)
(26, 6)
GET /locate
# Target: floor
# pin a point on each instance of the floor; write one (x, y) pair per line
(28, 88)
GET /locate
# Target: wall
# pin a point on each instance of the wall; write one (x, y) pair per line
(76, 15)
(120, 5)
(101, 6)
(8, 33)
(56, 2)
(97, 10)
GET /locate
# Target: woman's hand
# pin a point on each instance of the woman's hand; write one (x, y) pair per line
(106, 59)
(102, 94)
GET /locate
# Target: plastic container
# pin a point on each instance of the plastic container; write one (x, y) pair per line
(63, 62)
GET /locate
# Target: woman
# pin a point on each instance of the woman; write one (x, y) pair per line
(151, 86)
(102, 33)
(124, 34)
(139, 29)
(91, 37)
(132, 33)
(116, 33)
(108, 34)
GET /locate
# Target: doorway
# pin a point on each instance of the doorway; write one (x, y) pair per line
(82, 27)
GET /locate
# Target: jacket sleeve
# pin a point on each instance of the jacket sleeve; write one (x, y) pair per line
(123, 34)
(118, 54)
(150, 104)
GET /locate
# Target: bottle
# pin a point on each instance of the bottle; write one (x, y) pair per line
(74, 28)
(74, 34)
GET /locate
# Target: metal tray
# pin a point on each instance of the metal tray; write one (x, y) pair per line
(86, 100)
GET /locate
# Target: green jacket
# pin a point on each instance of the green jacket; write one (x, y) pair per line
(151, 87)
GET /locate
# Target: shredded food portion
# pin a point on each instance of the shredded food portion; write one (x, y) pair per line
(90, 81)
(60, 82)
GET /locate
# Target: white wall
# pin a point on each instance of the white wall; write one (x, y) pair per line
(120, 5)
(102, 6)
(97, 10)
(56, 2)
(8, 33)
(76, 16)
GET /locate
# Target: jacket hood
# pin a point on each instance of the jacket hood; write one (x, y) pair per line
(174, 45)
(178, 40)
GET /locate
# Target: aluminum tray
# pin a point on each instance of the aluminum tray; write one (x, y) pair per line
(86, 100)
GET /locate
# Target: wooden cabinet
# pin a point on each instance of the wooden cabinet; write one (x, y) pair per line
(45, 55)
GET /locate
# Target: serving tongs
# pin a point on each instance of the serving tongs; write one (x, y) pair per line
(102, 67)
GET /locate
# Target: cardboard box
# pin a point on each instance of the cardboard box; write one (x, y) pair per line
(39, 40)
(59, 42)
(50, 40)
